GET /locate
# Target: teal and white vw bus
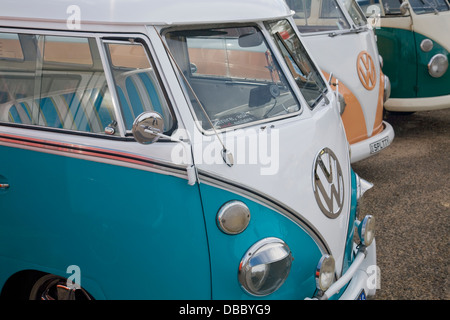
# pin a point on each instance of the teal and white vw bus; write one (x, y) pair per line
(343, 43)
(414, 42)
(132, 169)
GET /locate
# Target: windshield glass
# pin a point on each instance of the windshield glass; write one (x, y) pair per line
(233, 74)
(355, 13)
(428, 6)
(306, 75)
(318, 15)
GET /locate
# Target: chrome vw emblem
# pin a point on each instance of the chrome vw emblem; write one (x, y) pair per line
(328, 183)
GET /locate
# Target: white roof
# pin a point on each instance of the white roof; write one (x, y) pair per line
(130, 12)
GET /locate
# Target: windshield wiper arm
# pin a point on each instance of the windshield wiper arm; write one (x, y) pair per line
(358, 30)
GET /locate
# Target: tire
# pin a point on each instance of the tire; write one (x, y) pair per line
(53, 287)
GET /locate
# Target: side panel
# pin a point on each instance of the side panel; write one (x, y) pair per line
(130, 231)
(427, 85)
(228, 250)
(398, 49)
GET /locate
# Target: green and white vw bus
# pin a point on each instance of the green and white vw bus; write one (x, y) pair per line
(413, 39)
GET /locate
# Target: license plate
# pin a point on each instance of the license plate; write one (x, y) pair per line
(379, 145)
(362, 296)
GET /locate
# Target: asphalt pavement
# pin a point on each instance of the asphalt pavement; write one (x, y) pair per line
(411, 202)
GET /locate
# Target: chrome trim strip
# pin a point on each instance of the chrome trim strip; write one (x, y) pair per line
(96, 154)
(269, 202)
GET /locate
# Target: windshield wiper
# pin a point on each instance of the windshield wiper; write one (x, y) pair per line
(358, 30)
(322, 94)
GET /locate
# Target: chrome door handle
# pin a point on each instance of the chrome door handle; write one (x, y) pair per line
(4, 186)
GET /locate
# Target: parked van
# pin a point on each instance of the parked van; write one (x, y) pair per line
(414, 42)
(340, 39)
(130, 170)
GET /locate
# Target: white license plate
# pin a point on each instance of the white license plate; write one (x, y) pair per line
(379, 145)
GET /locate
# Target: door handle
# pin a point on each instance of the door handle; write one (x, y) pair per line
(4, 186)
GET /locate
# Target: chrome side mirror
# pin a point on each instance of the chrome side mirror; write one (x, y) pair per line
(148, 127)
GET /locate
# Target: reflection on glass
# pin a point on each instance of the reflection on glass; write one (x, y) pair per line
(234, 75)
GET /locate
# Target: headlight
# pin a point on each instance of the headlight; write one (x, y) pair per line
(325, 272)
(438, 65)
(233, 217)
(366, 230)
(265, 266)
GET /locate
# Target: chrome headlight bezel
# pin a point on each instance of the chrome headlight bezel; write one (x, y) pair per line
(265, 267)
(438, 65)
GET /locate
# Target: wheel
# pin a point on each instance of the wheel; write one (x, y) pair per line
(52, 287)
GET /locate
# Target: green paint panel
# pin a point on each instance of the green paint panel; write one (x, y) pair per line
(426, 84)
(397, 47)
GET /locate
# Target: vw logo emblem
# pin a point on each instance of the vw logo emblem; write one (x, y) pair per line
(366, 70)
(328, 183)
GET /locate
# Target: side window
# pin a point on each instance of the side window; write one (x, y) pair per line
(392, 6)
(10, 47)
(55, 82)
(137, 84)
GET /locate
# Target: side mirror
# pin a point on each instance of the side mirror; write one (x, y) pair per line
(148, 127)
(250, 40)
(404, 8)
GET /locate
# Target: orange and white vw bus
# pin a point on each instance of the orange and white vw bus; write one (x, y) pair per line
(343, 44)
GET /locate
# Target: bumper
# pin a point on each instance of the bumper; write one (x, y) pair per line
(361, 276)
(417, 104)
(372, 145)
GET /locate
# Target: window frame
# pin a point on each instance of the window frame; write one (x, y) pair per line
(296, 94)
(99, 39)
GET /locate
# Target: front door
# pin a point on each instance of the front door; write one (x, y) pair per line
(76, 189)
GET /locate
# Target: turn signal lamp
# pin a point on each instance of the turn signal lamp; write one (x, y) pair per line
(366, 230)
(325, 272)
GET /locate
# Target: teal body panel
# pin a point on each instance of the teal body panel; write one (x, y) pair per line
(227, 251)
(406, 64)
(136, 234)
(119, 225)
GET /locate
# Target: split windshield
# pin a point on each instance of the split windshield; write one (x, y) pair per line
(428, 6)
(233, 76)
(318, 15)
(355, 13)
